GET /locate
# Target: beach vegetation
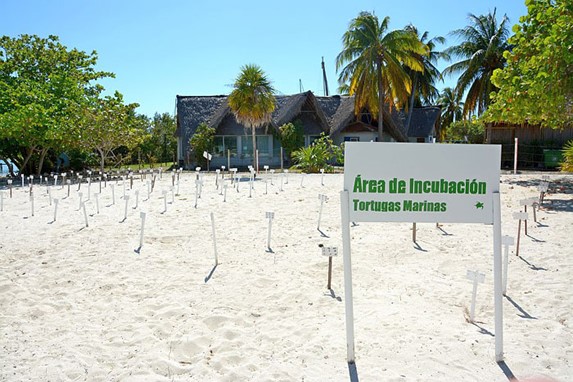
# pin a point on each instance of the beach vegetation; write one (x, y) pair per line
(252, 100)
(291, 137)
(321, 154)
(203, 140)
(373, 65)
(536, 85)
(480, 52)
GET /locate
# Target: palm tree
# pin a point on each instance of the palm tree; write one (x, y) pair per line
(252, 101)
(424, 83)
(374, 70)
(452, 107)
(481, 52)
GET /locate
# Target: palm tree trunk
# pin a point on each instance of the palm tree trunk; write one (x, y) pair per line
(411, 109)
(254, 147)
(381, 96)
(41, 162)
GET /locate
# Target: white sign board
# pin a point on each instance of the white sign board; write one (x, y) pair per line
(412, 182)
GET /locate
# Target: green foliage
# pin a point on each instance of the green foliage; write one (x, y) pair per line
(481, 52)
(470, 131)
(567, 165)
(291, 136)
(201, 141)
(536, 86)
(252, 100)
(374, 61)
(320, 154)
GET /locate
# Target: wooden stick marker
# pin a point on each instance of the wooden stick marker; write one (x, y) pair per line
(330, 252)
(476, 278)
(519, 216)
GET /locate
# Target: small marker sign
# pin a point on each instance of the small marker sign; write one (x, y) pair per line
(55, 208)
(330, 252)
(519, 216)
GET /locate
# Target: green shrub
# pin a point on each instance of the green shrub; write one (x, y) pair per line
(202, 140)
(291, 136)
(320, 154)
(567, 165)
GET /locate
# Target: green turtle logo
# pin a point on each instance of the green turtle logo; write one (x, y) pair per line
(479, 205)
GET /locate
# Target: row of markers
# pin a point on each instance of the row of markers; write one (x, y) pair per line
(521, 216)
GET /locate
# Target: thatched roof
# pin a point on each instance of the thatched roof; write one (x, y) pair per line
(333, 114)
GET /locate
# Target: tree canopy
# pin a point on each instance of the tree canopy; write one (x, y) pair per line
(536, 86)
(373, 62)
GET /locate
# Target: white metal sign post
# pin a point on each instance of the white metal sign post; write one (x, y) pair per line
(429, 184)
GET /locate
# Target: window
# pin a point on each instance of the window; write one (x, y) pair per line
(222, 144)
(263, 145)
(351, 139)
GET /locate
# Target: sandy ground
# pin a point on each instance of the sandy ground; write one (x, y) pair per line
(80, 303)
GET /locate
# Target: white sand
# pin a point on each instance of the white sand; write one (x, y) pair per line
(78, 303)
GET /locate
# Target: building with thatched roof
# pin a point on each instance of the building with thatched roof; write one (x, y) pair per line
(332, 115)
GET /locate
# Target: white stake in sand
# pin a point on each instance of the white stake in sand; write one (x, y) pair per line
(125, 211)
(22, 180)
(302, 179)
(525, 203)
(55, 180)
(164, 201)
(142, 216)
(225, 192)
(55, 208)
(97, 201)
(214, 239)
(32, 201)
(68, 182)
(85, 214)
(506, 241)
(50, 195)
(542, 188)
(196, 191)
(173, 194)
(136, 199)
(322, 177)
(323, 198)
(10, 187)
(272, 172)
(519, 216)
(285, 172)
(476, 278)
(270, 216)
(282, 177)
(112, 194)
(217, 172)
(1, 201)
(266, 186)
(266, 167)
(79, 182)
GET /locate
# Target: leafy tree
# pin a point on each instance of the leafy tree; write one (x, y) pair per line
(375, 61)
(43, 88)
(252, 100)
(107, 125)
(424, 88)
(452, 108)
(469, 131)
(536, 86)
(567, 165)
(320, 154)
(163, 136)
(481, 52)
(202, 141)
(291, 136)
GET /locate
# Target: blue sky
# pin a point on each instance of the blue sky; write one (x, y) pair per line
(160, 49)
